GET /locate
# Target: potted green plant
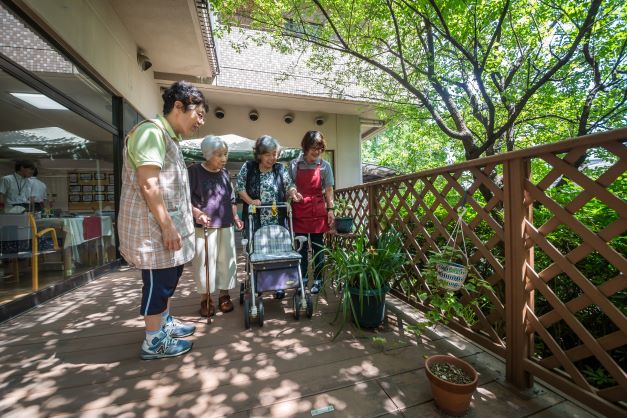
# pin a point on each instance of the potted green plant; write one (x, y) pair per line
(453, 381)
(361, 274)
(450, 268)
(343, 215)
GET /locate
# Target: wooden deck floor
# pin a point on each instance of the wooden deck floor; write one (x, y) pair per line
(77, 355)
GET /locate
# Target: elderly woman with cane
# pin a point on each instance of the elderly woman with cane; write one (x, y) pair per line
(215, 214)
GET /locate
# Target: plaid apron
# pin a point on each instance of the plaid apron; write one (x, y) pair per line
(141, 242)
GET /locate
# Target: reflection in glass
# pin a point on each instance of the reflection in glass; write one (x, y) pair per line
(21, 44)
(49, 140)
(131, 117)
(74, 159)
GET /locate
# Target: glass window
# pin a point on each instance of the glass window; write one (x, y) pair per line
(22, 45)
(131, 117)
(74, 194)
(329, 156)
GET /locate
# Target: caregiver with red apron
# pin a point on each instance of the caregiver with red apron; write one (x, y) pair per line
(313, 203)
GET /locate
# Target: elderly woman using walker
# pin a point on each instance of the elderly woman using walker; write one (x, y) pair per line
(264, 180)
(215, 213)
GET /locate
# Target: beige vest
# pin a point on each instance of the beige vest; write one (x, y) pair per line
(141, 242)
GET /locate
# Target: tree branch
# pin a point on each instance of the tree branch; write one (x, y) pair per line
(398, 38)
(590, 18)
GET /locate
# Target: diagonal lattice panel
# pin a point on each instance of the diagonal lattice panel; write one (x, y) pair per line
(549, 234)
(590, 342)
(592, 294)
(592, 240)
(575, 275)
(581, 352)
(561, 357)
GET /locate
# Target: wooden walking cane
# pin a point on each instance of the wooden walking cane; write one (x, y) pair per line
(207, 275)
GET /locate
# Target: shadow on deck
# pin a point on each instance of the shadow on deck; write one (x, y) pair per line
(77, 355)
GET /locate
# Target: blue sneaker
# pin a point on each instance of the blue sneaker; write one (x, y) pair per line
(176, 329)
(163, 346)
(316, 287)
(279, 294)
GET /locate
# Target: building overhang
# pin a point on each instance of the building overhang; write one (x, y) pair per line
(175, 35)
(180, 46)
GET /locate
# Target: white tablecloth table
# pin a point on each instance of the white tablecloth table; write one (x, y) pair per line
(72, 233)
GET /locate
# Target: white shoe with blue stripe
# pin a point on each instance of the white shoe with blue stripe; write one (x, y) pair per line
(163, 346)
(176, 329)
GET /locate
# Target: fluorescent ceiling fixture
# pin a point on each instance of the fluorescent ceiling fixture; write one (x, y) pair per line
(28, 150)
(39, 100)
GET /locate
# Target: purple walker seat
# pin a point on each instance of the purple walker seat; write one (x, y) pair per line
(274, 262)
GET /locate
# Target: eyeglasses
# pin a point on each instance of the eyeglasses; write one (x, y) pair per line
(199, 111)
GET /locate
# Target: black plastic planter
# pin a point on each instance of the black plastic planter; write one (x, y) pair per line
(371, 314)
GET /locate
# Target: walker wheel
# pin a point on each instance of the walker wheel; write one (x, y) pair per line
(247, 313)
(260, 312)
(297, 305)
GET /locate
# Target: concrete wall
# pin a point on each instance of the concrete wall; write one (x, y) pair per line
(340, 131)
(94, 31)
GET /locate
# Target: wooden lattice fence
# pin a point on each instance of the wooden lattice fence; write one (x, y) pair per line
(518, 209)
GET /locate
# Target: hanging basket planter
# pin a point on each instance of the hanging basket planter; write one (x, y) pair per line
(453, 275)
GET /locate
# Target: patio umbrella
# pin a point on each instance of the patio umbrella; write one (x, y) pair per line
(240, 149)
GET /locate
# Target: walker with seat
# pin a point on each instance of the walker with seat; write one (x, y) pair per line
(272, 263)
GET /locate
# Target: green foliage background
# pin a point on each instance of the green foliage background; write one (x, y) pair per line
(458, 80)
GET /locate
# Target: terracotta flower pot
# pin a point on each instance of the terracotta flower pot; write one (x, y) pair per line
(452, 398)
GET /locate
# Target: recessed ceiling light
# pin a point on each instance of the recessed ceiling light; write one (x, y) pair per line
(39, 100)
(28, 150)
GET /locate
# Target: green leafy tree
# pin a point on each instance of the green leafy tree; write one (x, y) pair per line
(410, 146)
(484, 73)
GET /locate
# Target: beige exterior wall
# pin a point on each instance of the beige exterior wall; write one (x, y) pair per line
(94, 31)
(236, 121)
(340, 131)
(348, 151)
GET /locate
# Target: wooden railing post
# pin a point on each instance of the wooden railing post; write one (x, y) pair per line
(517, 296)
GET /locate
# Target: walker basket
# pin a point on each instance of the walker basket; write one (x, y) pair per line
(452, 274)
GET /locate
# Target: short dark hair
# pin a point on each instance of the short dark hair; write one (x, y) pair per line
(265, 143)
(313, 139)
(19, 164)
(183, 92)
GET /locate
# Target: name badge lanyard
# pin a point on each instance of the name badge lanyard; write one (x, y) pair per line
(20, 185)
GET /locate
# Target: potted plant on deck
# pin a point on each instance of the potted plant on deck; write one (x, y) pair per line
(343, 215)
(361, 274)
(453, 381)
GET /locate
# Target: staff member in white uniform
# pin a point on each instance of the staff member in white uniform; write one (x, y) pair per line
(15, 189)
(38, 192)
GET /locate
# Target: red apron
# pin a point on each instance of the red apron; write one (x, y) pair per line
(310, 214)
